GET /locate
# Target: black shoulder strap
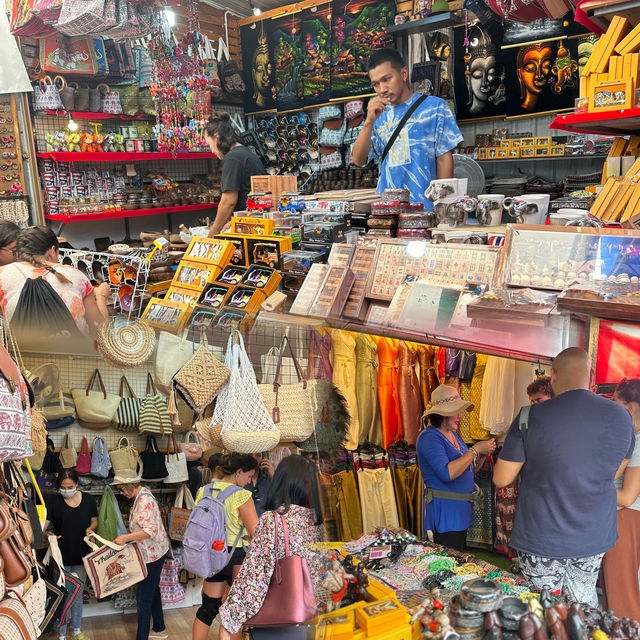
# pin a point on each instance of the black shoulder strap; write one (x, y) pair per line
(398, 129)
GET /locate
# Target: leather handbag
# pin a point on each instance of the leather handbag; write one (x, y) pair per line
(16, 558)
(83, 466)
(191, 450)
(175, 463)
(154, 467)
(124, 457)
(68, 455)
(179, 515)
(127, 416)
(291, 598)
(294, 408)
(95, 409)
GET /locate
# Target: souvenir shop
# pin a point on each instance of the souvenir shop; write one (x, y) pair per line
(357, 303)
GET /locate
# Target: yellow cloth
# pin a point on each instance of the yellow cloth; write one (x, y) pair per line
(464, 428)
(343, 359)
(348, 517)
(379, 509)
(475, 430)
(231, 506)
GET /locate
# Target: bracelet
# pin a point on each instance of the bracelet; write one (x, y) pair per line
(475, 455)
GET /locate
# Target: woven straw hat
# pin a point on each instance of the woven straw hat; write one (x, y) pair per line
(126, 476)
(446, 401)
(124, 343)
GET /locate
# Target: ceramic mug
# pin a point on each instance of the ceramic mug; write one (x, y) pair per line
(446, 188)
(529, 208)
(489, 210)
(453, 211)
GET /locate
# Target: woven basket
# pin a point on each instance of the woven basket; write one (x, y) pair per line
(200, 380)
(38, 431)
(126, 344)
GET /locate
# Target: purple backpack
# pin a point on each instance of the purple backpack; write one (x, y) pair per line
(205, 545)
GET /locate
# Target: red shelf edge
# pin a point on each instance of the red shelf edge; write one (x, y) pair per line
(565, 122)
(71, 156)
(86, 217)
(90, 115)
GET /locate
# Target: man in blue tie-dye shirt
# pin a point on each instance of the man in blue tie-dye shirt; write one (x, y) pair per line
(423, 150)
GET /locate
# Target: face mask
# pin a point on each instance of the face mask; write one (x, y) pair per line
(68, 493)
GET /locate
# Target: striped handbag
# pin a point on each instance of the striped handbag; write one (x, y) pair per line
(154, 417)
(127, 416)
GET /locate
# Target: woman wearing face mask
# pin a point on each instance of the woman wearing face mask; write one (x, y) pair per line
(145, 524)
(73, 515)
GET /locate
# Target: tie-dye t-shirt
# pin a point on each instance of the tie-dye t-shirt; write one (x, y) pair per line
(430, 132)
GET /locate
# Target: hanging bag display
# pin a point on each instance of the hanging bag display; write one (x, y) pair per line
(269, 362)
(46, 96)
(191, 450)
(127, 416)
(95, 100)
(179, 515)
(67, 93)
(293, 407)
(172, 353)
(199, 381)
(100, 462)
(247, 426)
(154, 417)
(332, 134)
(51, 464)
(86, 17)
(124, 457)
(95, 409)
(110, 523)
(110, 102)
(68, 455)
(82, 99)
(83, 467)
(153, 461)
(175, 463)
(290, 598)
(38, 432)
(113, 567)
(15, 621)
(59, 407)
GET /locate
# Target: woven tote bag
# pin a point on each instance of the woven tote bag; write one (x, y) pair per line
(38, 431)
(176, 463)
(154, 417)
(68, 455)
(86, 17)
(124, 456)
(199, 381)
(100, 462)
(127, 416)
(61, 406)
(124, 343)
(247, 426)
(292, 406)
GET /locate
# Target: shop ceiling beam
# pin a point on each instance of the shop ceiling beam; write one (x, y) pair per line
(283, 11)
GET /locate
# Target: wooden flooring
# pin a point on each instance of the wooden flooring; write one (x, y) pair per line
(123, 627)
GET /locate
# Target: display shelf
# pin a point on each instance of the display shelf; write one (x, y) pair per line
(616, 122)
(598, 156)
(597, 14)
(114, 215)
(107, 156)
(431, 23)
(89, 115)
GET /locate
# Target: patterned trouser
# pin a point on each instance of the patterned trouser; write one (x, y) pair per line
(576, 577)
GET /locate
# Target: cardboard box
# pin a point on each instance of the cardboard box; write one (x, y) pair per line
(275, 184)
(527, 152)
(261, 277)
(268, 250)
(167, 316)
(228, 319)
(514, 152)
(505, 142)
(182, 294)
(542, 141)
(606, 96)
(214, 295)
(252, 226)
(246, 298)
(556, 150)
(381, 616)
(239, 242)
(516, 143)
(194, 275)
(202, 319)
(503, 152)
(527, 142)
(336, 626)
(209, 251)
(232, 275)
(483, 153)
(541, 151)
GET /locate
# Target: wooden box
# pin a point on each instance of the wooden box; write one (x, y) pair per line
(332, 297)
(275, 184)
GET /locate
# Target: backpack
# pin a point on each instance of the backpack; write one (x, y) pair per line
(205, 545)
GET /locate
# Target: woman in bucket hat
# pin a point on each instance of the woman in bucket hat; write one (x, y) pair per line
(447, 466)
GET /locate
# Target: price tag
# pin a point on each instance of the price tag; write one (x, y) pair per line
(383, 551)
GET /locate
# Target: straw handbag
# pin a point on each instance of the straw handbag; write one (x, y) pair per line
(124, 457)
(95, 409)
(247, 426)
(126, 344)
(294, 407)
(199, 381)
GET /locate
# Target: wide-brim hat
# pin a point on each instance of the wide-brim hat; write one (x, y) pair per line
(446, 401)
(126, 476)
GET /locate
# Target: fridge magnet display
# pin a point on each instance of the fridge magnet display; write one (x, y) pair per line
(316, 38)
(258, 67)
(611, 95)
(480, 90)
(357, 27)
(288, 54)
(541, 77)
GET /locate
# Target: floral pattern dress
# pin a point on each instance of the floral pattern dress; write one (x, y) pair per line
(249, 589)
(13, 276)
(145, 516)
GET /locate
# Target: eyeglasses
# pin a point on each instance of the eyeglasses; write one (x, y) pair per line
(13, 252)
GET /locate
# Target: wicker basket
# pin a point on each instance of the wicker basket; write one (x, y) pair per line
(126, 344)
